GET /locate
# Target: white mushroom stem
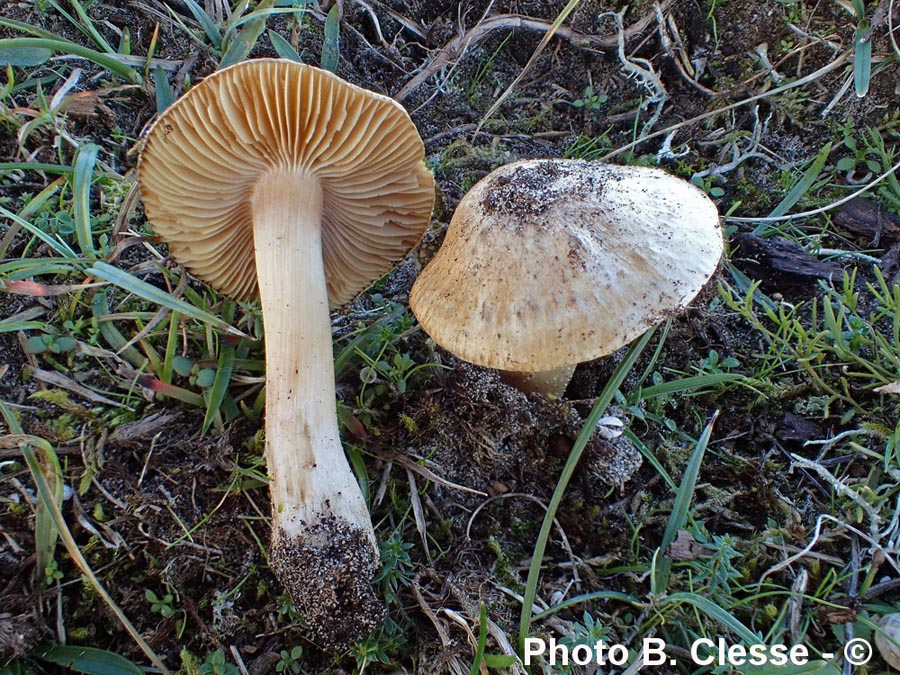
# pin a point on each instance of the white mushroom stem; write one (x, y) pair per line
(550, 383)
(317, 507)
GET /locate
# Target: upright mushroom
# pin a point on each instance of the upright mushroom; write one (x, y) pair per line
(281, 179)
(548, 263)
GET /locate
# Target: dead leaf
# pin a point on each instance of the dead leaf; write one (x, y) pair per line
(892, 388)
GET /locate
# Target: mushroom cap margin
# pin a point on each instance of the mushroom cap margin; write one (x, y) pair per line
(203, 155)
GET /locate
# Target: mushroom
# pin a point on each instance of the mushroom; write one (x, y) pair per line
(279, 179)
(549, 263)
(887, 639)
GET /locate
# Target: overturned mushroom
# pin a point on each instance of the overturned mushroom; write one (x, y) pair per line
(548, 263)
(277, 178)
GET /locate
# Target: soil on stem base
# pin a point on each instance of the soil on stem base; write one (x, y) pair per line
(328, 574)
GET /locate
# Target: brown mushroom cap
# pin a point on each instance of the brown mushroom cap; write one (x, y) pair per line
(205, 153)
(548, 263)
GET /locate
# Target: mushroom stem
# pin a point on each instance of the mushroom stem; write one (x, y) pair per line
(323, 546)
(550, 383)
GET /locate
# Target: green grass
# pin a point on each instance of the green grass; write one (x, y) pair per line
(781, 538)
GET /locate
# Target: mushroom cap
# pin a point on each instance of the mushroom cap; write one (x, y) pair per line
(554, 262)
(204, 154)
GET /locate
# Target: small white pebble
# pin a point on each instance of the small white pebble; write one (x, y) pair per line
(610, 427)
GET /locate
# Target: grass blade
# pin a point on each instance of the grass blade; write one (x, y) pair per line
(685, 384)
(862, 60)
(216, 394)
(89, 660)
(45, 494)
(170, 390)
(34, 166)
(56, 244)
(358, 464)
(680, 508)
(24, 57)
(37, 31)
(482, 640)
(165, 95)
(85, 159)
(206, 22)
(142, 289)
(712, 610)
(283, 48)
(651, 458)
(21, 325)
(331, 47)
(561, 17)
(588, 597)
(800, 189)
(107, 61)
(111, 334)
(84, 24)
(45, 533)
(239, 47)
(587, 430)
(821, 667)
(25, 268)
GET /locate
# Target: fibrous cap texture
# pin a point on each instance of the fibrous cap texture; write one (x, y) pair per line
(205, 153)
(553, 262)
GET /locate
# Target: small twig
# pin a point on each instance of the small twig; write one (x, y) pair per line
(788, 548)
(841, 488)
(812, 77)
(122, 506)
(795, 605)
(842, 90)
(236, 655)
(158, 317)
(665, 152)
(65, 534)
(641, 70)
(882, 588)
(891, 29)
(738, 155)
(822, 209)
(375, 23)
(410, 25)
(635, 667)
(57, 379)
(562, 533)
(817, 534)
(458, 619)
(455, 131)
(426, 608)
(418, 512)
(838, 253)
(455, 49)
(670, 38)
(762, 51)
(828, 443)
(394, 456)
(140, 479)
(852, 591)
(375, 52)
